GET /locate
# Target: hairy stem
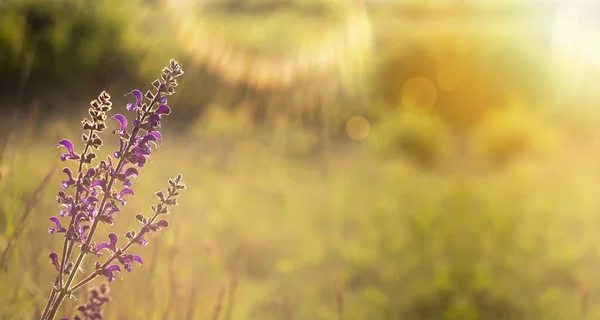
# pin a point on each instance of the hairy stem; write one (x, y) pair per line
(112, 257)
(82, 253)
(67, 245)
(66, 251)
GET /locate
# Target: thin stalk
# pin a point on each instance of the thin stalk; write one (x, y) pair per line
(33, 200)
(92, 276)
(67, 244)
(82, 253)
(231, 292)
(218, 306)
(66, 249)
(64, 288)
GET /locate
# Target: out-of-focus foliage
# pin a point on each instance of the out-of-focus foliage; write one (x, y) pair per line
(512, 132)
(468, 75)
(419, 135)
(67, 40)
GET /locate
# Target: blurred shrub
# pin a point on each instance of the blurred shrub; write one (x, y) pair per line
(509, 133)
(64, 41)
(419, 135)
(471, 74)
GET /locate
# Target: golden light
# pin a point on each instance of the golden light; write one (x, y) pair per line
(576, 47)
(448, 78)
(303, 59)
(358, 128)
(419, 93)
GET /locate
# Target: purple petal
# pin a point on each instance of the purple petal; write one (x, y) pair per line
(91, 199)
(130, 173)
(163, 110)
(126, 191)
(78, 218)
(163, 223)
(122, 121)
(114, 210)
(113, 238)
(156, 134)
(57, 223)
(148, 137)
(138, 95)
(154, 120)
(53, 257)
(114, 268)
(100, 183)
(90, 173)
(102, 245)
(68, 172)
(67, 144)
(143, 231)
(137, 259)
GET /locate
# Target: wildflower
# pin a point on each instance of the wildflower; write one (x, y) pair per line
(58, 227)
(91, 194)
(92, 310)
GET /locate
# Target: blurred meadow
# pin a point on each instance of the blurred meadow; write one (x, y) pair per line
(349, 160)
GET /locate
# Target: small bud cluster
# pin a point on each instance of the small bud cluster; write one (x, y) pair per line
(92, 310)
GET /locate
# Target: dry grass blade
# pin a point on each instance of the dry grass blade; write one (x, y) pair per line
(218, 306)
(232, 289)
(31, 203)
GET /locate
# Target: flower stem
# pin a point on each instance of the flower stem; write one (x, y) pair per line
(94, 275)
(51, 298)
(82, 253)
(66, 251)
(56, 305)
(68, 244)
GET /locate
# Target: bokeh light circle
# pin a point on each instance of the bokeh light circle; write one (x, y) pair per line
(358, 128)
(419, 93)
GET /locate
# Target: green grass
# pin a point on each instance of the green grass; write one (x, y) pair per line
(397, 239)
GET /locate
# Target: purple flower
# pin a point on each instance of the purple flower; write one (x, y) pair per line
(123, 193)
(140, 237)
(70, 151)
(58, 228)
(127, 259)
(54, 259)
(159, 225)
(109, 211)
(163, 110)
(127, 175)
(70, 181)
(138, 100)
(76, 231)
(101, 184)
(122, 131)
(111, 245)
(96, 198)
(162, 224)
(110, 272)
(92, 310)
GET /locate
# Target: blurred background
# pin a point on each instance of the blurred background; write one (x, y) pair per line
(346, 159)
